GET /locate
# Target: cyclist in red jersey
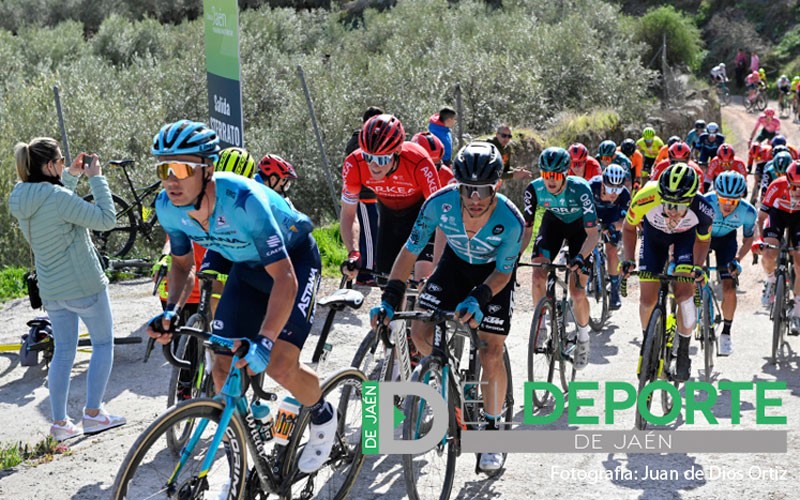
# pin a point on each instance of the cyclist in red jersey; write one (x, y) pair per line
(435, 149)
(726, 159)
(402, 176)
(582, 165)
(679, 152)
(780, 210)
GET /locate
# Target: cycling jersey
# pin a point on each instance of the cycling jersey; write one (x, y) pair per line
(590, 169)
(744, 216)
(771, 125)
(609, 212)
(763, 155)
(784, 84)
(637, 162)
(769, 175)
(650, 151)
(660, 167)
(575, 202)
(498, 241)
(414, 178)
(662, 155)
(718, 73)
(446, 175)
(780, 197)
(646, 206)
(708, 147)
(621, 160)
(250, 222)
(716, 167)
(691, 138)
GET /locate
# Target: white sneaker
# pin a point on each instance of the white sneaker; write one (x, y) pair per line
(101, 422)
(769, 290)
(725, 345)
(491, 462)
(319, 445)
(581, 354)
(67, 431)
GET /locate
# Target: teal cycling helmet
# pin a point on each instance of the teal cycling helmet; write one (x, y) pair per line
(730, 184)
(607, 148)
(554, 160)
(781, 161)
(186, 137)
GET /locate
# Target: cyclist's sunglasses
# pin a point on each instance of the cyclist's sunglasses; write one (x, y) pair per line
(381, 160)
(180, 169)
(606, 159)
(613, 189)
(676, 207)
(552, 176)
(484, 191)
(728, 202)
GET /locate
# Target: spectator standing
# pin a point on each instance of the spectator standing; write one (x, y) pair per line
(502, 141)
(440, 124)
(754, 62)
(741, 67)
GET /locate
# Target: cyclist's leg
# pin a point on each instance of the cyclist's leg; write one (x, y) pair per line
(725, 248)
(653, 254)
(424, 265)
(214, 261)
(545, 248)
(494, 329)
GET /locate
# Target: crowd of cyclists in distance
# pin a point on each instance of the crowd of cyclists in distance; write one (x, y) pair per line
(756, 83)
(407, 209)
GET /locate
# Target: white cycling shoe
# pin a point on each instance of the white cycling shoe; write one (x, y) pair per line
(491, 462)
(581, 355)
(725, 345)
(319, 445)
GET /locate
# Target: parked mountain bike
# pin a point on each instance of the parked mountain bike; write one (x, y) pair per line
(723, 93)
(202, 469)
(660, 344)
(782, 298)
(137, 217)
(553, 334)
(431, 475)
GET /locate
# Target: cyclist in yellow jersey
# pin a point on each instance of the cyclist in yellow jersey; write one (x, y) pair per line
(649, 145)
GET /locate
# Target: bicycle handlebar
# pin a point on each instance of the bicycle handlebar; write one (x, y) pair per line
(434, 316)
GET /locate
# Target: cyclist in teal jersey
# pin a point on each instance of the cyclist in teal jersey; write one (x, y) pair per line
(730, 213)
(475, 275)
(570, 215)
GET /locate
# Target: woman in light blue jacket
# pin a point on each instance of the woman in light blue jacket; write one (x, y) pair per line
(55, 221)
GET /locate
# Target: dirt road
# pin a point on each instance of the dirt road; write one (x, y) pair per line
(138, 392)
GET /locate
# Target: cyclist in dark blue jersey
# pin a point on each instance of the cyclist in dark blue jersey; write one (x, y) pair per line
(570, 216)
(271, 247)
(475, 275)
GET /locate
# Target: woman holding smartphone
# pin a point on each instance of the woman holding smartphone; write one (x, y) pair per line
(56, 222)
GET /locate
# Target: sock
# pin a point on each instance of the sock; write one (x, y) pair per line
(493, 421)
(726, 326)
(614, 279)
(683, 344)
(321, 412)
(583, 333)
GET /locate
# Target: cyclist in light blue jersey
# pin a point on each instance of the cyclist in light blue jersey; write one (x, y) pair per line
(271, 247)
(475, 275)
(731, 211)
(570, 215)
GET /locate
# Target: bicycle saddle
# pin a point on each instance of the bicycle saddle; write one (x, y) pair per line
(343, 297)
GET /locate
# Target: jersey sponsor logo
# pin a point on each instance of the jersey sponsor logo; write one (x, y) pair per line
(493, 308)
(588, 203)
(307, 299)
(707, 209)
(491, 320)
(426, 297)
(430, 177)
(230, 194)
(221, 222)
(527, 204)
(646, 200)
(390, 191)
(433, 287)
(274, 241)
(217, 325)
(563, 210)
(446, 207)
(346, 169)
(274, 251)
(498, 229)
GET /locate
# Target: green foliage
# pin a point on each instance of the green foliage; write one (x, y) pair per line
(684, 44)
(331, 249)
(585, 128)
(12, 283)
(43, 451)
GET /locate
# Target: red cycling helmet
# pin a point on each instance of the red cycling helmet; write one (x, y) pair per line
(769, 112)
(382, 135)
(679, 151)
(578, 152)
(275, 165)
(725, 153)
(755, 148)
(793, 173)
(431, 144)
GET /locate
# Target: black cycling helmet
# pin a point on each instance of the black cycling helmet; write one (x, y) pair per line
(700, 124)
(478, 163)
(672, 140)
(628, 147)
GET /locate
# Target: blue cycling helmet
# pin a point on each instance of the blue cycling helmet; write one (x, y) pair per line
(781, 161)
(607, 148)
(730, 184)
(778, 140)
(186, 137)
(614, 175)
(554, 160)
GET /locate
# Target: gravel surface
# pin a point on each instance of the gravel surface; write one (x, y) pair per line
(137, 391)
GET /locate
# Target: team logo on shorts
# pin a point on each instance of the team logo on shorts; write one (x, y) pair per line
(498, 229)
(433, 287)
(217, 325)
(493, 308)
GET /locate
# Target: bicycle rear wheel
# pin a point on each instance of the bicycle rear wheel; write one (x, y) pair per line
(566, 367)
(651, 361)
(541, 349)
(667, 355)
(761, 102)
(779, 315)
(118, 241)
(597, 294)
(430, 475)
(706, 326)
(146, 470)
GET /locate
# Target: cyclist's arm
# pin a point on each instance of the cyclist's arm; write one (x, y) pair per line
(592, 237)
(279, 306)
(527, 234)
(629, 240)
(403, 265)
(762, 217)
(700, 250)
(496, 281)
(181, 277)
(349, 228)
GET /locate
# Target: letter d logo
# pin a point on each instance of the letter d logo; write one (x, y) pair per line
(427, 434)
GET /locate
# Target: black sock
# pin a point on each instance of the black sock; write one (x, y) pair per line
(321, 412)
(492, 422)
(726, 327)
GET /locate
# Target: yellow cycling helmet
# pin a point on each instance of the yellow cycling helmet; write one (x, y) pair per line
(238, 161)
(648, 133)
(678, 184)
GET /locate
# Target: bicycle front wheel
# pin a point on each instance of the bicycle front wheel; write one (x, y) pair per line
(779, 315)
(597, 294)
(651, 361)
(338, 474)
(118, 241)
(761, 102)
(566, 365)
(430, 475)
(541, 347)
(706, 325)
(147, 470)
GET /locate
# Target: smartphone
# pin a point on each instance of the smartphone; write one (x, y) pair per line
(87, 161)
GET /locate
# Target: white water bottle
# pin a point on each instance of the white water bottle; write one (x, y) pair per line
(264, 420)
(288, 412)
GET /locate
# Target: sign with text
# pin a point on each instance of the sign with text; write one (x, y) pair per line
(223, 73)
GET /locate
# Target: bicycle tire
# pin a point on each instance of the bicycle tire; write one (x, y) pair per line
(127, 227)
(707, 334)
(371, 355)
(778, 314)
(543, 357)
(190, 349)
(666, 354)
(430, 369)
(650, 361)
(164, 463)
(117, 341)
(598, 296)
(761, 102)
(348, 461)
(565, 365)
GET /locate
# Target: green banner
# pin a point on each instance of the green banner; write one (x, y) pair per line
(370, 444)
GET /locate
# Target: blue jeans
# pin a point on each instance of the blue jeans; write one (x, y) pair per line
(95, 311)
